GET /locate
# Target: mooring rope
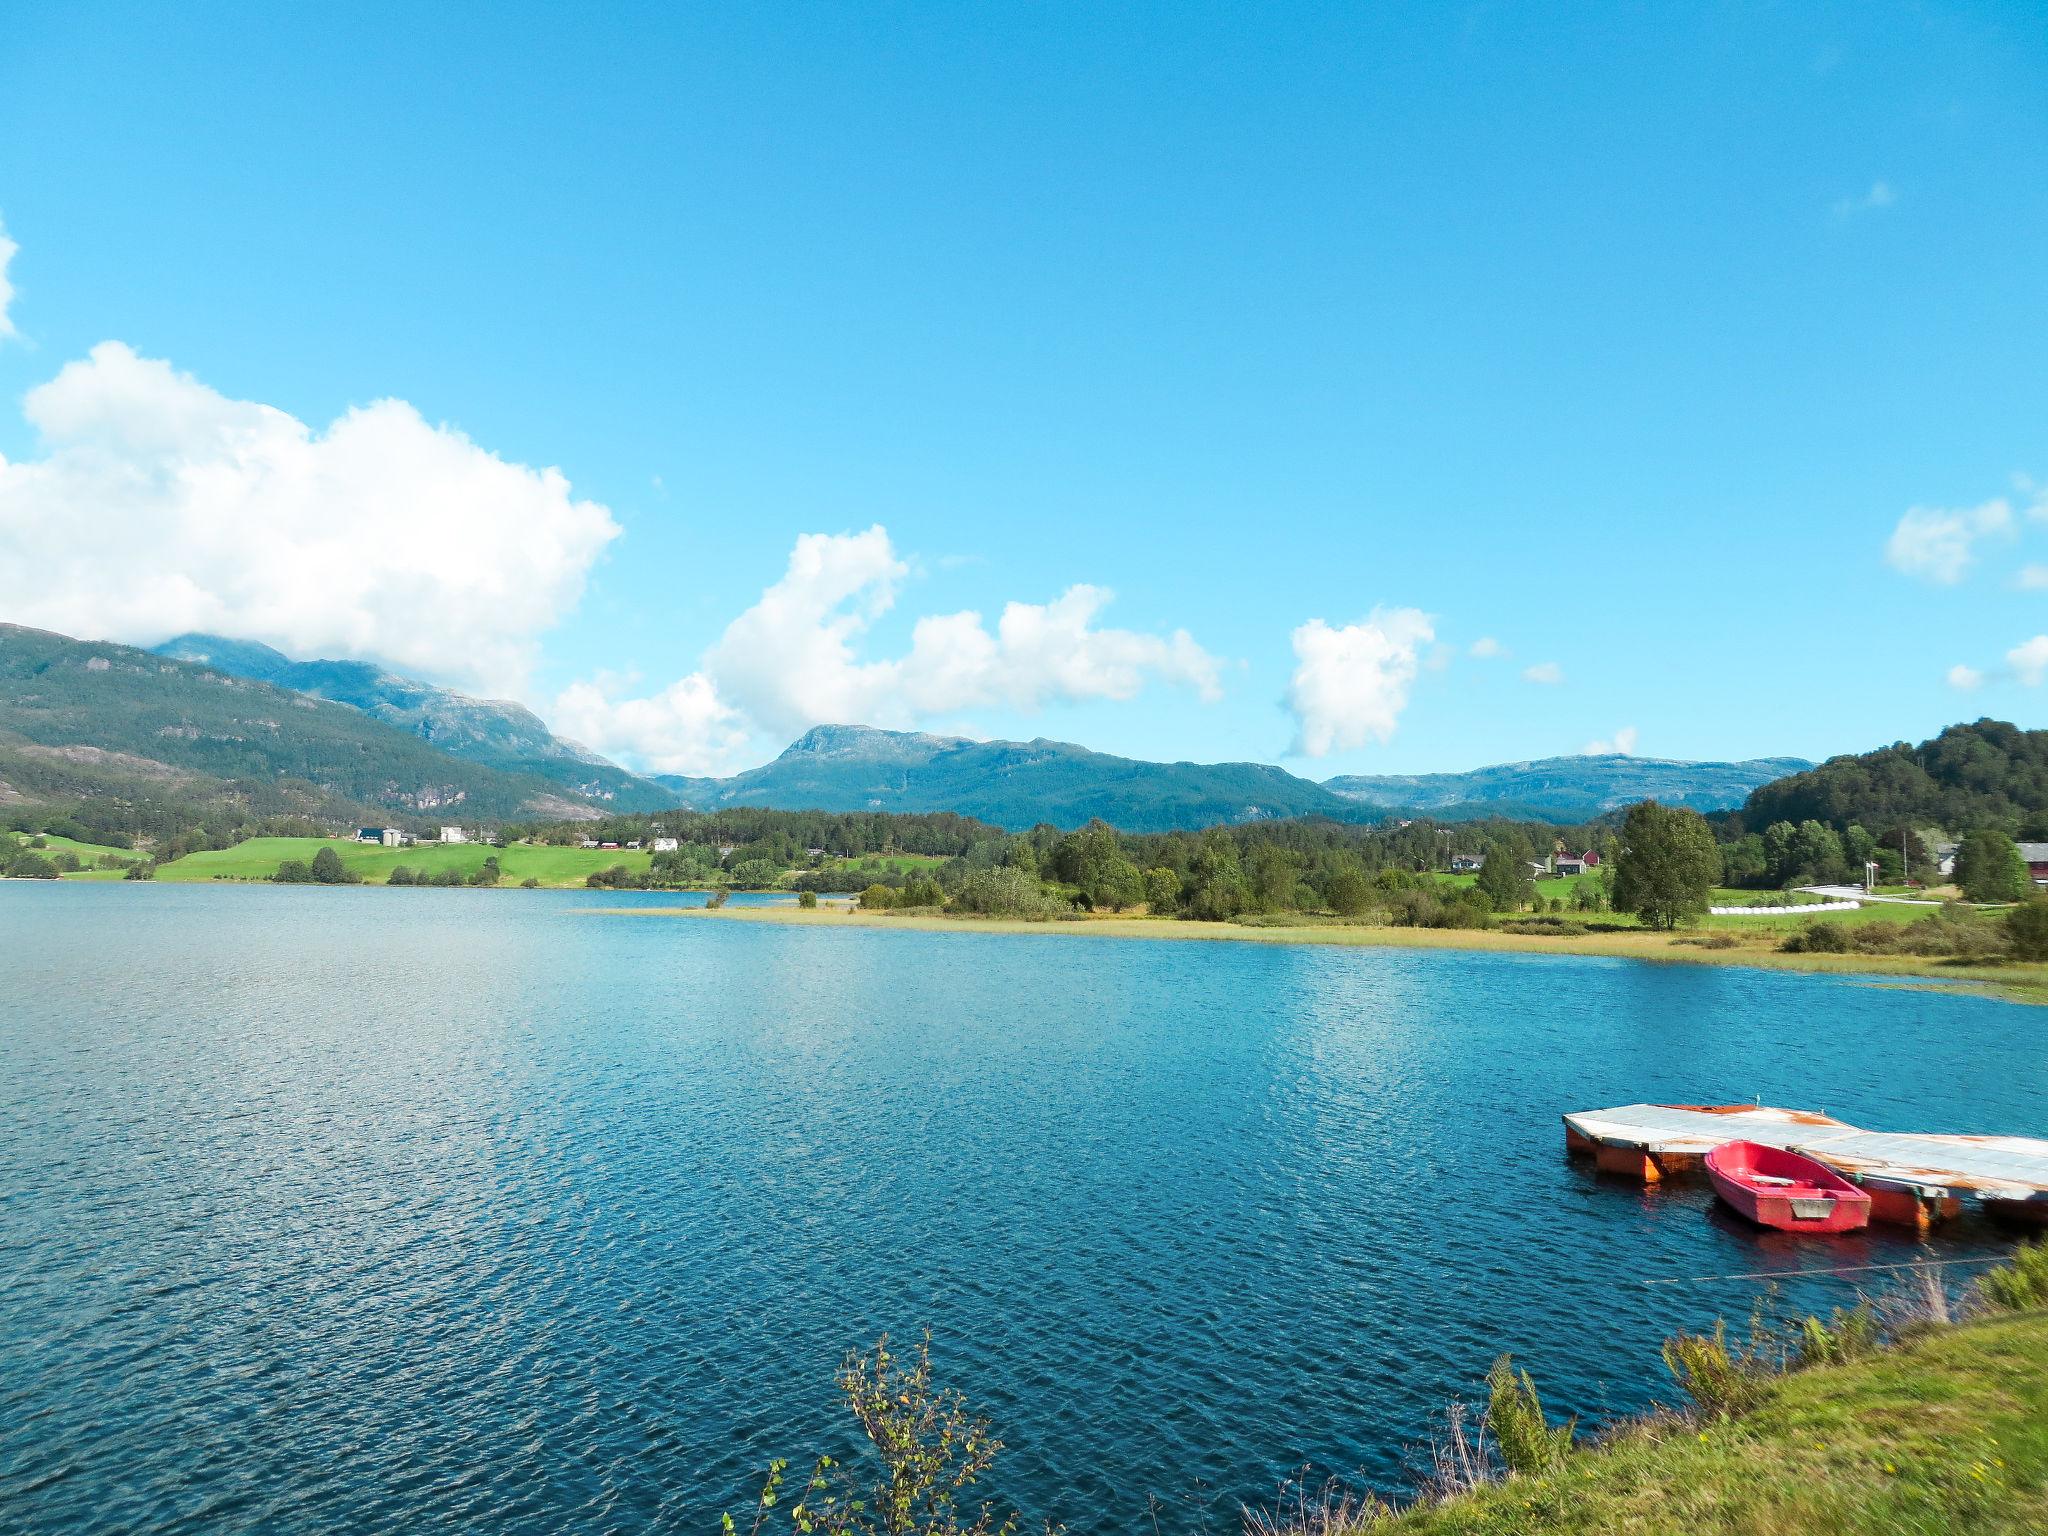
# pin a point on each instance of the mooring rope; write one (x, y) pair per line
(1846, 1269)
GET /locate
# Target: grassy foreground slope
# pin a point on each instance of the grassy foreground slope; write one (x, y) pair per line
(1948, 1433)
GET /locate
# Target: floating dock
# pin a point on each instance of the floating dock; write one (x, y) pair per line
(1914, 1180)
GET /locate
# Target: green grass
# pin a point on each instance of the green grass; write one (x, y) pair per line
(1946, 1434)
(88, 853)
(258, 858)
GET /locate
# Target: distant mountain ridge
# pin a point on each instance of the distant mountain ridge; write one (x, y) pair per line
(495, 732)
(1013, 784)
(1016, 784)
(121, 734)
(1569, 788)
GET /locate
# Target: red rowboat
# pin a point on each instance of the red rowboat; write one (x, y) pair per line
(1776, 1188)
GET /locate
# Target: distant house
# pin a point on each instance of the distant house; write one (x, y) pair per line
(1945, 857)
(666, 844)
(393, 838)
(1467, 863)
(607, 845)
(590, 842)
(371, 834)
(2036, 855)
(454, 835)
(1570, 864)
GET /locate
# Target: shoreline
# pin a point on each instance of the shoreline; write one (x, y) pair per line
(2017, 982)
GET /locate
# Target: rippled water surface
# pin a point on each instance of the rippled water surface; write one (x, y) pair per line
(336, 1210)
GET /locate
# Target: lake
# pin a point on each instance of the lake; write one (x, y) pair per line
(328, 1209)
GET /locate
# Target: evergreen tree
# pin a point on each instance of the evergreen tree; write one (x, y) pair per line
(1989, 867)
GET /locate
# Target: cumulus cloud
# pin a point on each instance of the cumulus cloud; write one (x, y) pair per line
(2032, 578)
(1879, 196)
(159, 505)
(1351, 683)
(795, 659)
(1965, 678)
(1623, 745)
(1486, 648)
(1938, 543)
(1548, 673)
(7, 253)
(2029, 661)
(685, 728)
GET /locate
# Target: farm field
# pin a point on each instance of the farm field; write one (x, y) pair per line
(258, 858)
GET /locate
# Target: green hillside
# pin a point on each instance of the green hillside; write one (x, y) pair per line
(1985, 774)
(132, 743)
(494, 732)
(1567, 789)
(258, 858)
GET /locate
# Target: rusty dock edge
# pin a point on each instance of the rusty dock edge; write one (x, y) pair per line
(1912, 1180)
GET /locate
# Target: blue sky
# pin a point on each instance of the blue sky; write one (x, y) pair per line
(1332, 340)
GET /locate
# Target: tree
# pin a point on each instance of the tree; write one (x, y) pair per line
(329, 870)
(877, 898)
(2026, 929)
(293, 872)
(1216, 877)
(1989, 867)
(489, 874)
(1503, 880)
(1162, 889)
(1348, 892)
(808, 900)
(31, 866)
(1666, 866)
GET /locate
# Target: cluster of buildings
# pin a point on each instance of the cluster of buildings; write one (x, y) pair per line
(1562, 862)
(394, 837)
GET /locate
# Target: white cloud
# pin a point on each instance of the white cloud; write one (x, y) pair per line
(8, 249)
(159, 505)
(1965, 678)
(1351, 683)
(685, 728)
(1938, 543)
(1880, 195)
(794, 660)
(1623, 744)
(1486, 648)
(1548, 673)
(2029, 661)
(2032, 578)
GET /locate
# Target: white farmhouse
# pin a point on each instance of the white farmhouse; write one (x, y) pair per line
(666, 845)
(454, 835)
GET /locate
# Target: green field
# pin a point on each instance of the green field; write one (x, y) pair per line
(258, 858)
(88, 853)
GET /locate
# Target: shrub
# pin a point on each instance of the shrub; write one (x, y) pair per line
(1007, 892)
(141, 869)
(1851, 1334)
(1724, 1381)
(401, 874)
(877, 898)
(1818, 938)
(932, 1452)
(2020, 1286)
(66, 862)
(327, 869)
(1514, 1414)
(2026, 929)
(529, 884)
(293, 872)
(808, 900)
(489, 873)
(31, 866)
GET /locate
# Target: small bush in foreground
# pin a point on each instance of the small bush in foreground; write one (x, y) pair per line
(932, 1451)
(2020, 1286)
(1515, 1418)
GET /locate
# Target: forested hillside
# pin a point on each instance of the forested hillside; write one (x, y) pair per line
(127, 742)
(1985, 774)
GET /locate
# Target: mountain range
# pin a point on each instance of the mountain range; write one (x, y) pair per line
(206, 720)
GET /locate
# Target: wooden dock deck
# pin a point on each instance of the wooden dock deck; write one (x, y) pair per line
(1912, 1179)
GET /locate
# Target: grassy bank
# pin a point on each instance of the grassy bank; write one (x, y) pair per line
(258, 858)
(1948, 1432)
(2014, 980)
